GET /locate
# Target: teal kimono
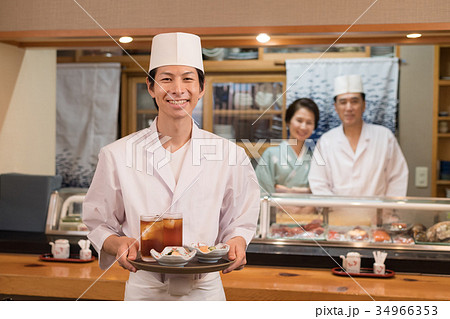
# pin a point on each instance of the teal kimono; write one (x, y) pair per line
(280, 165)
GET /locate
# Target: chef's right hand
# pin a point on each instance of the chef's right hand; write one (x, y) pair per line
(123, 248)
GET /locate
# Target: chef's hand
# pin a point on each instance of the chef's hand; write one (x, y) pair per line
(236, 253)
(122, 247)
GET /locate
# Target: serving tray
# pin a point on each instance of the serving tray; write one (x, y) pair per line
(71, 259)
(192, 267)
(365, 272)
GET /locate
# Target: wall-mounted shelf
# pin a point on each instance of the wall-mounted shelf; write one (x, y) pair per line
(441, 105)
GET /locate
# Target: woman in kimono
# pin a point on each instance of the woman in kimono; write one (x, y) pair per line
(285, 168)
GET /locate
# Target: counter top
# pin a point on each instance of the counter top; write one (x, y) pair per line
(22, 274)
(27, 275)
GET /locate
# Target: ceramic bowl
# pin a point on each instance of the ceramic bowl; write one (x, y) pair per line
(173, 256)
(210, 254)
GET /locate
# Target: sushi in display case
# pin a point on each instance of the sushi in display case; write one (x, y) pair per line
(299, 229)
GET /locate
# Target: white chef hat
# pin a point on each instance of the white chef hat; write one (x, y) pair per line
(176, 49)
(348, 84)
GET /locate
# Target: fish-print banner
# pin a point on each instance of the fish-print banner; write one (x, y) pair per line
(87, 105)
(315, 80)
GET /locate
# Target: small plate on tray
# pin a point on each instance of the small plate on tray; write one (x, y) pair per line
(210, 254)
(365, 272)
(192, 267)
(71, 259)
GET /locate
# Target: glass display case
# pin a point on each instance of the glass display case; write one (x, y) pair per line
(244, 110)
(298, 229)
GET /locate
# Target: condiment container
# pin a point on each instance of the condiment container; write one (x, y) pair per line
(60, 248)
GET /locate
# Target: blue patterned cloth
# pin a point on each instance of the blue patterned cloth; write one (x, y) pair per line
(315, 80)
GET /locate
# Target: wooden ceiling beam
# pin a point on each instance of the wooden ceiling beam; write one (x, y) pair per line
(434, 33)
(140, 44)
(288, 29)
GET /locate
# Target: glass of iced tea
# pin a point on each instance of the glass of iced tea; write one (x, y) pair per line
(173, 229)
(152, 231)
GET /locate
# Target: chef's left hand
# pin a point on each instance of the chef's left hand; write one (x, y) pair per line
(236, 253)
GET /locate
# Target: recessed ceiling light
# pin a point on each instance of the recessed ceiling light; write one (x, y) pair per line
(125, 39)
(413, 35)
(263, 38)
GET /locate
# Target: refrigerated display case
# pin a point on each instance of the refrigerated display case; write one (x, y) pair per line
(313, 231)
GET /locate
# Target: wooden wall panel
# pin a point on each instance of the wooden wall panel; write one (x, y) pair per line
(150, 16)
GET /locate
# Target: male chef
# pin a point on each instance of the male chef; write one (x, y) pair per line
(361, 159)
(170, 167)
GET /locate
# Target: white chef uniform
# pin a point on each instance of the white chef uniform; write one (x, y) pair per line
(376, 168)
(217, 192)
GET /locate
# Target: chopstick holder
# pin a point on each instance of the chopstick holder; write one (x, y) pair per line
(85, 252)
(379, 267)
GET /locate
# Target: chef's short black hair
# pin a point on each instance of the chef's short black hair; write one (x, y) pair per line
(363, 96)
(152, 74)
(302, 103)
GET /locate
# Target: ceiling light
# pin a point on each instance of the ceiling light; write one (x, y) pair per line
(263, 38)
(414, 35)
(125, 39)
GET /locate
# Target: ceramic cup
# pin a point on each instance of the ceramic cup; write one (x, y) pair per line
(353, 263)
(85, 254)
(60, 248)
(379, 269)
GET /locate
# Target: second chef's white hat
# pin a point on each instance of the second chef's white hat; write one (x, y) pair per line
(176, 49)
(348, 84)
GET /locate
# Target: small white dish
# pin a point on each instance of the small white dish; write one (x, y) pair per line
(210, 254)
(173, 256)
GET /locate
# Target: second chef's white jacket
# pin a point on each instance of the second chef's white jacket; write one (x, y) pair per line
(217, 193)
(377, 168)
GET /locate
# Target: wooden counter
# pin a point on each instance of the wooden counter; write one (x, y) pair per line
(26, 275)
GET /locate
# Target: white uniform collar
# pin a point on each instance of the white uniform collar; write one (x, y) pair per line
(364, 132)
(196, 132)
(189, 171)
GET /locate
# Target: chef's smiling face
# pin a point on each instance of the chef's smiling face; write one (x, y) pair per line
(301, 124)
(178, 91)
(350, 108)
